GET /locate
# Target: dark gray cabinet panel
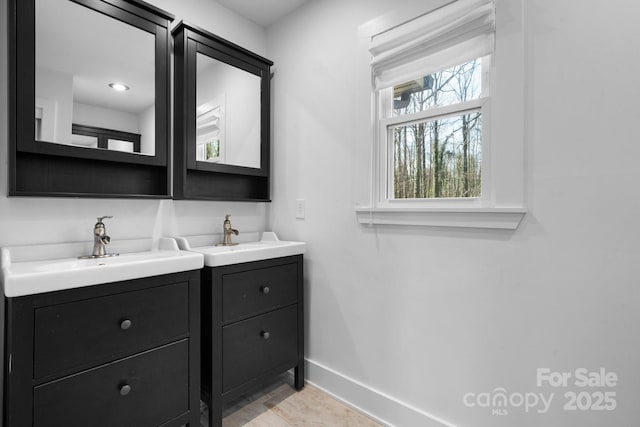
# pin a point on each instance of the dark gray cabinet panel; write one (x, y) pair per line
(256, 345)
(147, 389)
(256, 291)
(250, 334)
(119, 354)
(94, 330)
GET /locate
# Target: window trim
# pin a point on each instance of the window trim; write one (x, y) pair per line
(384, 147)
(501, 206)
(467, 217)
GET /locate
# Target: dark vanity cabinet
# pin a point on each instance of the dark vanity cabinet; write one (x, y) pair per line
(221, 118)
(71, 133)
(123, 354)
(252, 328)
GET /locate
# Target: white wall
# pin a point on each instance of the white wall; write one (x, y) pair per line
(219, 20)
(57, 89)
(148, 130)
(107, 118)
(403, 322)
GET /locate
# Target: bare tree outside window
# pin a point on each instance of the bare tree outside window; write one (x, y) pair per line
(438, 157)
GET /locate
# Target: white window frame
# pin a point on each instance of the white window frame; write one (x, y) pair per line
(495, 208)
(219, 103)
(384, 146)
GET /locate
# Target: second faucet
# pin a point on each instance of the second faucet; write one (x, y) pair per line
(228, 231)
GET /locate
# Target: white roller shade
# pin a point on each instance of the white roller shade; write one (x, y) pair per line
(460, 31)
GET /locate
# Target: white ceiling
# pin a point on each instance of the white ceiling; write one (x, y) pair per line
(262, 12)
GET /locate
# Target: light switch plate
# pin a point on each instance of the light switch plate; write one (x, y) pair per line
(300, 209)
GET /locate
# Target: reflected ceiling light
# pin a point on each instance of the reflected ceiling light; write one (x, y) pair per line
(119, 87)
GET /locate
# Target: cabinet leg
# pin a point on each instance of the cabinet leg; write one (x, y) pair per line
(298, 376)
(215, 412)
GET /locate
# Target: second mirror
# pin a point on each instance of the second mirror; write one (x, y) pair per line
(227, 114)
(222, 115)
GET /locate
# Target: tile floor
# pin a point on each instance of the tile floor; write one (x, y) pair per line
(279, 405)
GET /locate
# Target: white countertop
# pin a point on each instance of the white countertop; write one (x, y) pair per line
(269, 246)
(33, 269)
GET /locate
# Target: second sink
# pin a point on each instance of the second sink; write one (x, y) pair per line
(269, 246)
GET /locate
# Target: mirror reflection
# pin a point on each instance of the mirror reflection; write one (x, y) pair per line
(227, 114)
(95, 80)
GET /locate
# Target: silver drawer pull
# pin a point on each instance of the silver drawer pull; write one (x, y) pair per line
(265, 335)
(125, 324)
(125, 389)
(265, 289)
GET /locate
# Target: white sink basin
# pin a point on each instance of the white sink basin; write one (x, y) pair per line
(30, 270)
(269, 246)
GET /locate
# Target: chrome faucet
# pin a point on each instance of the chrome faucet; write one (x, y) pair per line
(228, 231)
(100, 240)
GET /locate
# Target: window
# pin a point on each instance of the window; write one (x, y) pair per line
(210, 131)
(433, 100)
(431, 133)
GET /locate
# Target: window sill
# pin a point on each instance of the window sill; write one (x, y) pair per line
(493, 218)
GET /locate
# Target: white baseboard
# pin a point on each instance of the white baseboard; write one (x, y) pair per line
(381, 407)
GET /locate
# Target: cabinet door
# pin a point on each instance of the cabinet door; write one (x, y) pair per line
(148, 389)
(256, 346)
(257, 291)
(96, 330)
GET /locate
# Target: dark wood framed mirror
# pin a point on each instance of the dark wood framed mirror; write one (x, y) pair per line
(222, 118)
(89, 112)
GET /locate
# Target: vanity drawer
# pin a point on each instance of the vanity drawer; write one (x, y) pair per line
(256, 291)
(148, 389)
(248, 352)
(93, 331)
